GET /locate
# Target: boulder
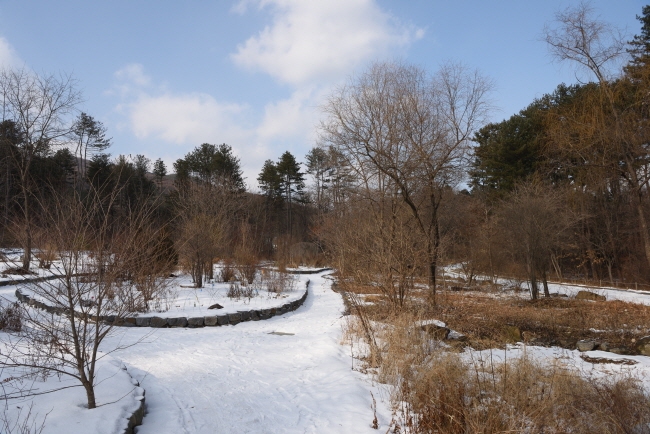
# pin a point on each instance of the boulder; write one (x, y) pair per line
(177, 322)
(604, 346)
(585, 345)
(157, 322)
(234, 318)
(587, 295)
(143, 321)
(223, 319)
(245, 315)
(643, 346)
(210, 321)
(255, 315)
(195, 322)
(436, 330)
(456, 336)
(216, 306)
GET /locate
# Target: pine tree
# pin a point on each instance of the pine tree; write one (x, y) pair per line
(292, 184)
(640, 47)
(159, 171)
(270, 181)
(318, 167)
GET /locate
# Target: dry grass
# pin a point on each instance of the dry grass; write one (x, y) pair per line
(555, 321)
(438, 391)
(484, 317)
(450, 395)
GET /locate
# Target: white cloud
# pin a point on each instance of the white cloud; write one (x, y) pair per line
(185, 119)
(321, 40)
(129, 80)
(289, 118)
(133, 73)
(8, 57)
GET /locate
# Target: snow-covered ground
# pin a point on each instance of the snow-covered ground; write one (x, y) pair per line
(288, 374)
(180, 298)
(188, 301)
(60, 402)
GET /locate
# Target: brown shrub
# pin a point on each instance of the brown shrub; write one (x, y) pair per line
(11, 318)
(450, 395)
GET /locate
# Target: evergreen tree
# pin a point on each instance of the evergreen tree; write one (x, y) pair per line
(90, 138)
(159, 171)
(270, 182)
(210, 164)
(318, 167)
(292, 184)
(640, 47)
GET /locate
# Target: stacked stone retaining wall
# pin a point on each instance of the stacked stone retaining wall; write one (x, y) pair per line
(232, 318)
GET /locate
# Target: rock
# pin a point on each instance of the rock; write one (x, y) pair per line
(210, 321)
(618, 350)
(455, 336)
(586, 295)
(195, 322)
(437, 331)
(216, 306)
(255, 315)
(604, 346)
(143, 321)
(223, 319)
(157, 322)
(557, 295)
(566, 343)
(234, 318)
(643, 346)
(512, 333)
(585, 345)
(177, 322)
(245, 315)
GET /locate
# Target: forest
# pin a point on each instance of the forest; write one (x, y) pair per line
(407, 175)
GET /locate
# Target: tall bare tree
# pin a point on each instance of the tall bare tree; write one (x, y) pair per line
(39, 106)
(412, 130)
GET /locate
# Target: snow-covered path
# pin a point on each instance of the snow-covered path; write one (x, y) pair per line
(243, 379)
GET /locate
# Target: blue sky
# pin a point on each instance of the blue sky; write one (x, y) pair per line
(166, 76)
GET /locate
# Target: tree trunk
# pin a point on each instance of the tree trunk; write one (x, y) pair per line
(547, 294)
(643, 228)
(27, 253)
(90, 394)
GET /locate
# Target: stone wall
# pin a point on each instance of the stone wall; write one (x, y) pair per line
(174, 322)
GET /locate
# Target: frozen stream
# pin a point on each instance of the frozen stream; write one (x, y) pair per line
(243, 379)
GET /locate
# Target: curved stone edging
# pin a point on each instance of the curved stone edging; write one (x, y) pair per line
(320, 270)
(35, 279)
(178, 322)
(135, 419)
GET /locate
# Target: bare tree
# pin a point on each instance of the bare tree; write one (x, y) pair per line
(39, 106)
(534, 222)
(104, 254)
(204, 220)
(578, 36)
(411, 130)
